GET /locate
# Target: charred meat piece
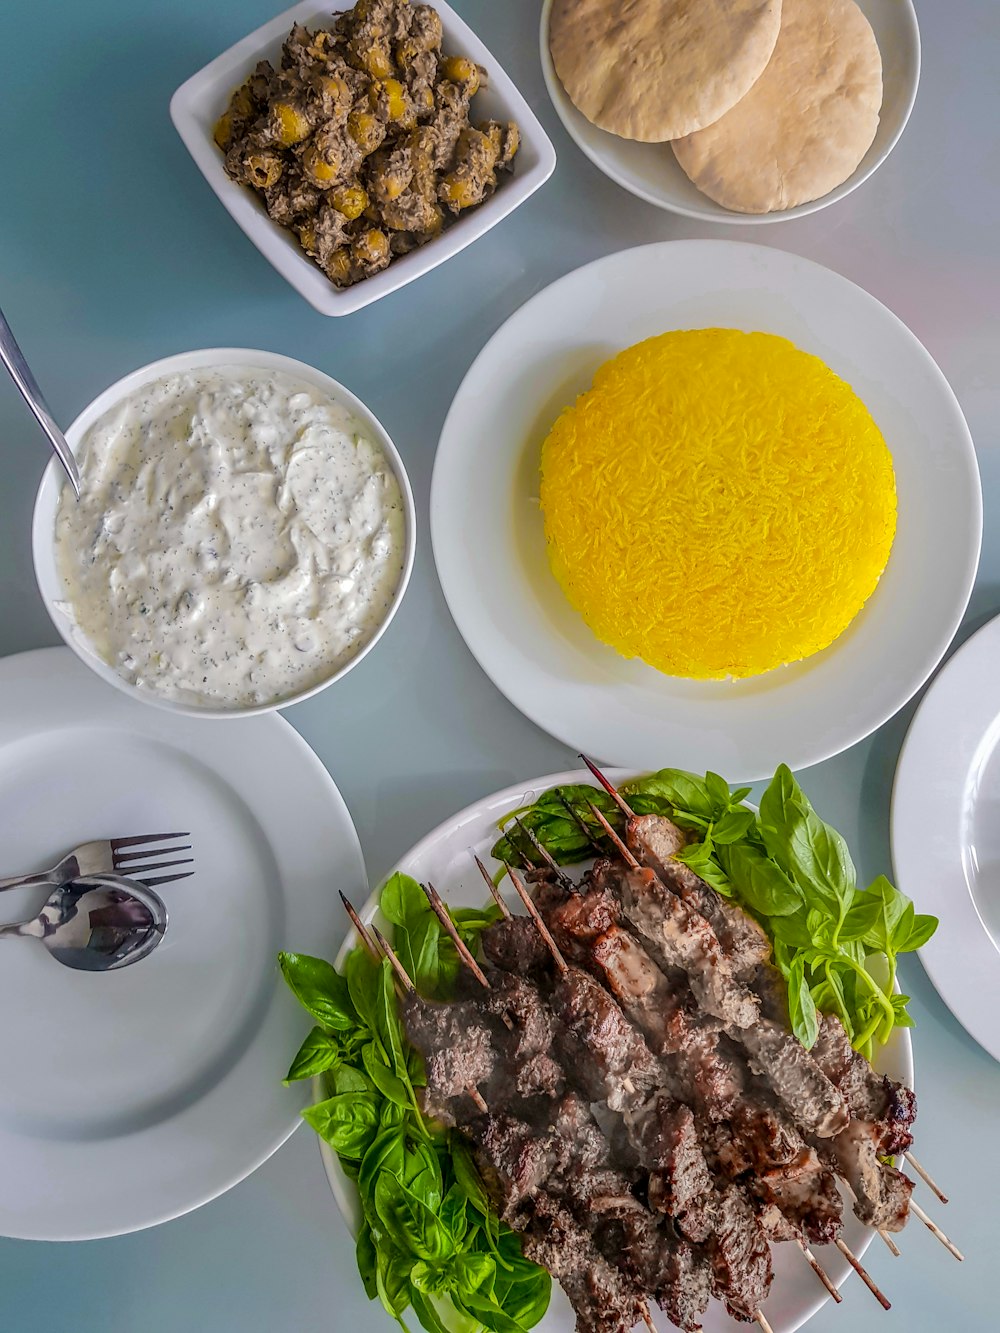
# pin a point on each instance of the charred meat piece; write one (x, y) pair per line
(882, 1192)
(655, 840)
(458, 1054)
(603, 1298)
(677, 936)
(654, 1006)
(870, 1096)
(515, 1160)
(515, 945)
(741, 1257)
(777, 1056)
(597, 1043)
(525, 1030)
(679, 1181)
(686, 1287)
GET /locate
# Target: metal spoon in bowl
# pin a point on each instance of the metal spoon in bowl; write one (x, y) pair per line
(97, 924)
(13, 359)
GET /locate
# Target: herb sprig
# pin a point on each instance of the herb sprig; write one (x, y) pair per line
(429, 1240)
(835, 943)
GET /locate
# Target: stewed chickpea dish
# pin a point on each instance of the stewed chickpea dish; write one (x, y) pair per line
(361, 141)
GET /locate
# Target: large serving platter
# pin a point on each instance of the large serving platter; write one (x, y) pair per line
(444, 857)
(946, 831)
(130, 1097)
(489, 542)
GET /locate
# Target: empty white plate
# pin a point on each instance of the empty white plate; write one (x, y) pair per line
(946, 831)
(489, 542)
(130, 1097)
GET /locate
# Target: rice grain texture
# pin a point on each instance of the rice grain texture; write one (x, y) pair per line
(718, 503)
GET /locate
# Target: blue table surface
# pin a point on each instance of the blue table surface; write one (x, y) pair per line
(113, 252)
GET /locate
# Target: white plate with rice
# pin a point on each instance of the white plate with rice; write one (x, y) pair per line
(489, 543)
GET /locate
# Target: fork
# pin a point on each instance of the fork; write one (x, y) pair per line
(110, 856)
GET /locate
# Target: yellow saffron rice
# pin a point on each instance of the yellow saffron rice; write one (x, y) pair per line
(718, 503)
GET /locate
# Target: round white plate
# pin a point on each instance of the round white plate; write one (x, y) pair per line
(130, 1097)
(946, 831)
(651, 171)
(489, 543)
(444, 858)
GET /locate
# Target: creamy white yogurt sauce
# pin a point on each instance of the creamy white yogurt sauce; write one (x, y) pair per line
(239, 537)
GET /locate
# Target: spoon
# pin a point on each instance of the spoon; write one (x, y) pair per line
(97, 924)
(13, 358)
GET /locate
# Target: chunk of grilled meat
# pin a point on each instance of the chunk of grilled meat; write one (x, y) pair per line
(870, 1096)
(882, 1193)
(655, 841)
(779, 1057)
(741, 1257)
(679, 1181)
(458, 1050)
(678, 936)
(514, 945)
(608, 1059)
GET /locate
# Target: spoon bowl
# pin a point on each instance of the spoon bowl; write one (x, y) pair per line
(96, 924)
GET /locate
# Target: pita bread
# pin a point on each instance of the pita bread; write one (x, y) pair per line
(806, 123)
(656, 69)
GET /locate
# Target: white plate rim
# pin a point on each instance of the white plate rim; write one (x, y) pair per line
(460, 829)
(710, 211)
(928, 793)
(454, 435)
(253, 1149)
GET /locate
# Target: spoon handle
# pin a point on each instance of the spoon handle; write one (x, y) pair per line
(20, 373)
(26, 882)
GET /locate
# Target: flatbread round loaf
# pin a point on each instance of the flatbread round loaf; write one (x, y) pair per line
(656, 69)
(806, 123)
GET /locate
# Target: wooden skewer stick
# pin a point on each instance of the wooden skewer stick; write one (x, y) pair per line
(862, 1274)
(582, 825)
(539, 924)
(497, 895)
(407, 984)
(818, 1269)
(935, 1230)
(624, 851)
(397, 966)
(441, 912)
(610, 788)
(359, 926)
(646, 1318)
(545, 854)
(765, 1326)
(925, 1177)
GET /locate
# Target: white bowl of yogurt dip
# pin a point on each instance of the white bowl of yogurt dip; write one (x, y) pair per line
(244, 536)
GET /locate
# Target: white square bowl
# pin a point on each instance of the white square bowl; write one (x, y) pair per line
(198, 103)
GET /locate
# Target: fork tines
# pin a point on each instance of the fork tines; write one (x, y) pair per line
(124, 862)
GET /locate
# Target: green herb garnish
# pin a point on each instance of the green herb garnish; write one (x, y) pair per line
(836, 944)
(429, 1240)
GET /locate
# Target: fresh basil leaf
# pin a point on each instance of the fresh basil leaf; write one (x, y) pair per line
(467, 1177)
(364, 979)
(791, 931)
(801, 1007)
(454, 1214)
(899, 1003)
(423, 1308)
(421, 1174)
(922, 927)
(348, 1079)
(718, 792)
(488, 1312)
(348, 1122)
(402, 900)
(862, 917)
(318, 1053)
(387, 1022)
(392, 1279)
(734, 825)
(320, 989)
(382, 1076)
(682, 791)
(392, 1116)
(409, 1221)
(759, 882)
(387, 1153)
(699, 857)
(810, 852)
(364, 1253)
(474, 1272)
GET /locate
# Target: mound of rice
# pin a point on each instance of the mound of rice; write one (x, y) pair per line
(718, 503)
